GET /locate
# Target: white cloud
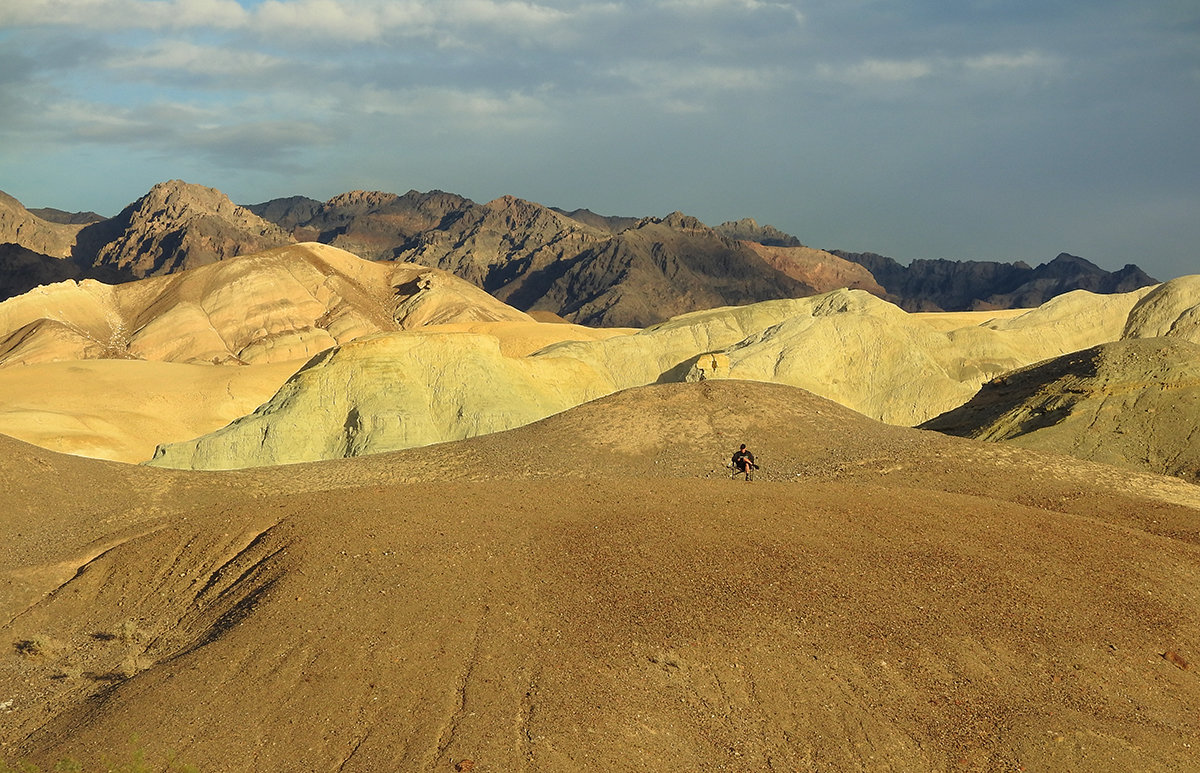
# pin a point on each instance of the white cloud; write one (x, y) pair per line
(883, 71)
(354, 20)
(870, 72)
(683, 84)
(190, 58)
(1025, 60)
(733, 5)
(122, 14)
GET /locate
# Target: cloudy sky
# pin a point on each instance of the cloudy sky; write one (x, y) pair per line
(968, 129)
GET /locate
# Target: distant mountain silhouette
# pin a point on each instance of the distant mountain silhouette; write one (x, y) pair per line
(52, 215)
(963, 285)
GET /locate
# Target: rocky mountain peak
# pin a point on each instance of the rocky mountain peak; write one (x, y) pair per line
(176, 225)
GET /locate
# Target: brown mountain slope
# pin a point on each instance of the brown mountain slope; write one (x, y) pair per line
(882, 599)
(175, 226)
(20, 226)
(662, 268)
(504, 246)
(376, 225)
(819, 269)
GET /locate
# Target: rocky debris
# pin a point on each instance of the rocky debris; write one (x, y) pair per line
(175, 226)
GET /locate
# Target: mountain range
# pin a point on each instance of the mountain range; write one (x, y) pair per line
(587, 268)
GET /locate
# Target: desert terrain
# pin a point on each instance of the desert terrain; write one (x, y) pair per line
(592, 591)
(388, 521)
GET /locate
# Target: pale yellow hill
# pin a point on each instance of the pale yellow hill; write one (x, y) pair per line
(120, 409)
(592, 592)
(398, 391)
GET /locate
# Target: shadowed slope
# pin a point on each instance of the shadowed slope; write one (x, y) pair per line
(1131, 403)
(626, 615)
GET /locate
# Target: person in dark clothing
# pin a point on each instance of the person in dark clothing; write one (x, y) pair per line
(743, 462)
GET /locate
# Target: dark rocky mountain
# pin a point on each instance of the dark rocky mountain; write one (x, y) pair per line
(175, 226)
(371, 224)
(964, 285)
(287, 213)
(661, 268)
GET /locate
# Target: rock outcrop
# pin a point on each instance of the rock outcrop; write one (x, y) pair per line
(748, 230)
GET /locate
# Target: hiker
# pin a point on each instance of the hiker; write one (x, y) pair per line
(743, 461)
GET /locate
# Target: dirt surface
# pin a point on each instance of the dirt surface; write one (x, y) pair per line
(594, 592)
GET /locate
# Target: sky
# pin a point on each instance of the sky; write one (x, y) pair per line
(963, 129)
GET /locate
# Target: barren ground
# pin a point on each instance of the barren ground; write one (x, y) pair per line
(593, 592)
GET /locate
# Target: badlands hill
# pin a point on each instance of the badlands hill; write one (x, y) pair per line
(399, 390)
(600, 270)
(282, 304)
(1134, 402)
(593, 592)
(111, 371)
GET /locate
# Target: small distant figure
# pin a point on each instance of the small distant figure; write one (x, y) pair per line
(743, 462)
